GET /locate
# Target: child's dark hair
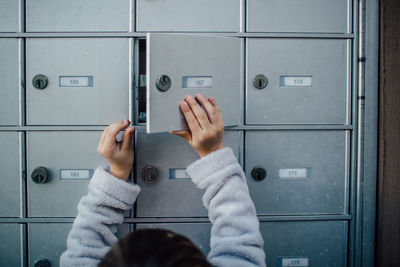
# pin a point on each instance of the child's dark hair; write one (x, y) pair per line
(154, 248)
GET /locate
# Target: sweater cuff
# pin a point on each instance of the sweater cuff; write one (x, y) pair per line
(211, 163)
(119, 189)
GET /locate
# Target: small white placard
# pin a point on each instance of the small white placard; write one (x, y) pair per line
(178, 174)
(296, 81)
(197, 82)
(76, 174)
(294, 172)
(297, 262)
(76, 81)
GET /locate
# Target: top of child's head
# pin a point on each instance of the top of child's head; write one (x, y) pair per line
(154, 248)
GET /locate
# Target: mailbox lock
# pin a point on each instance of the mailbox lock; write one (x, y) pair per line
(42, 262)
(163, 82)
(149, 174)
(260, 81)
(39, 81)
(258, 173)
(40, 175)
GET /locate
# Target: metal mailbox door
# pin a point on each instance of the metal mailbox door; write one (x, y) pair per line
(297, 81)
(179, 65)
(11, 253)
(78, 15)
(198, 233)
(10, 87)
(11, 174)
(60, 165)
(77, 81)
(167, 190)
(316, 16)
(302, 243)
(9, 15)
(47, 241)
(297, 172)
(183, 15)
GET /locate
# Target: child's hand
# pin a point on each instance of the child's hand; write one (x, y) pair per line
(119, 154)
(206, 127)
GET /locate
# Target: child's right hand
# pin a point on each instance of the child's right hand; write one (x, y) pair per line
(119, 154)
(206, 125)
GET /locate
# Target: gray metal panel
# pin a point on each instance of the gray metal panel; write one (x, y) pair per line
(324, 102)
(11, 81)
(184, 55)
(78, 15)
(171, 197)
(325, 189)
(369, 138)
(48, 240)
(10, 176)
(11, 252)
(9, 16)
(298, 16)
(106, 60)
(183, 15)
(324, 243)
(55, 151)
(198, 233)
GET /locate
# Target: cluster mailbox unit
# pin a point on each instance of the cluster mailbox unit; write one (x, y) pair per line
(296, 82)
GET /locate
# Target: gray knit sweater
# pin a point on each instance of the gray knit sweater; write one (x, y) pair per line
(235, 236)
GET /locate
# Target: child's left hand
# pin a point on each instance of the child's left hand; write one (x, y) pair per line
(119, 154)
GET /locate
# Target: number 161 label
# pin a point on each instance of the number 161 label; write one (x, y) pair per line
(76, 174)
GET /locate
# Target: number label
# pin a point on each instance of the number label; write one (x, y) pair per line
(197, 82)
(76, 174)
(295, 81)
(178, 173)
(76, 81)
(294, 173)
(293, 262)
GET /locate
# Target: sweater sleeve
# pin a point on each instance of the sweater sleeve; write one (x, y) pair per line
(99, 215)
(235, 236)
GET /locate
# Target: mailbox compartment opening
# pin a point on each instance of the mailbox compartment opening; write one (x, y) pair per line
(141, 82)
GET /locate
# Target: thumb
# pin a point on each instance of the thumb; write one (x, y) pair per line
(184, 134)
(127, 139)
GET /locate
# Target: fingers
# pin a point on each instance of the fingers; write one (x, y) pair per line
(184, 134)
(127, 139)
(110, 133)
(212, 101)
(198, 112)
(217, 111)
(208, 107)
(191, 120)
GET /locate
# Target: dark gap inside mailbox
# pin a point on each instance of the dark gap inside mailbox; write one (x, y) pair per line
(142, 82)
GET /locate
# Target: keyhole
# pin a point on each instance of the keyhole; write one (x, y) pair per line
(260, 83)
(165, 80)
(39, 83)
(258, 173)
(41, 262)
(39, 178)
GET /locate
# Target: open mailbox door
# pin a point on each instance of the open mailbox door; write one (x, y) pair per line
(178, 65)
